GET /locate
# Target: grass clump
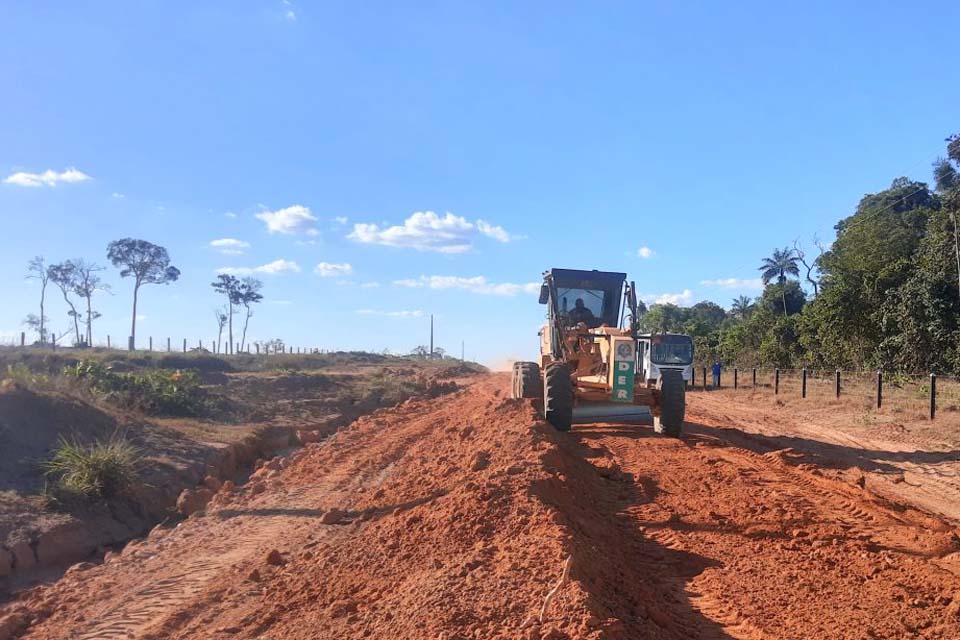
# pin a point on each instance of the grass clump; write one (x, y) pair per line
(155, 391)
(101, 470)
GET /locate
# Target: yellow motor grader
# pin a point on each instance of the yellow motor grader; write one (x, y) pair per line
(594, 366)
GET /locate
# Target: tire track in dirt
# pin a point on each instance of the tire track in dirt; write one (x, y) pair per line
(462, 510)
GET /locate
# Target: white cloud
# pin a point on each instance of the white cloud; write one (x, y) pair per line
(681, 299)
(118, 195)
(141, 318)
(291, 220)
(271, 268)
(496, 232)
(230, 246)
(415, 313)
(734, 283)
(331, 269)
(340, 220)
(645, 253)
(427, 231)
(49, 178)
(290, 15)
(229, 214)
(476, 284)
(369, 285)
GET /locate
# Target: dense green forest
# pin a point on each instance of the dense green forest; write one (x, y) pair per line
(885, 294)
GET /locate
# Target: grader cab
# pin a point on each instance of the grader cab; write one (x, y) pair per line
(594, 366)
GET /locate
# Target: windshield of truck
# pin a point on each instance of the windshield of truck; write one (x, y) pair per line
(671, 350)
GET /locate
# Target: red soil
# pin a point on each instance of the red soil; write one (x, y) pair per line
(454, 517)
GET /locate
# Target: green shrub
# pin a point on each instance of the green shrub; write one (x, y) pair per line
(100, 470)
(155, 391)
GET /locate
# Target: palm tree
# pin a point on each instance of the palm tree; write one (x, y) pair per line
(780, 265)
(742, 306)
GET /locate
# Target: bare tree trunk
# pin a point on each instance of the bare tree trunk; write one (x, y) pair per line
(246, 321)
(73, 310)
(230, 323)
(43, 294)
(89, 323)
(133, 324)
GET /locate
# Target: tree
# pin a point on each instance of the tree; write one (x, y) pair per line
(780, 265)
(229, 286)
(86, 284)
(221, 316)
(37, 270)
(64, 275)
(146, 263)
(249, 295)
(742, 307)
(420, 351)
(663, 317)
(810, 267)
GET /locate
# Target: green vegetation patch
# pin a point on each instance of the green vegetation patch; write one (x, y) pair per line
(158, 392)
(96, 471)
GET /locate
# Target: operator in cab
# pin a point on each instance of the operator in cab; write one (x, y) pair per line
(581, 313)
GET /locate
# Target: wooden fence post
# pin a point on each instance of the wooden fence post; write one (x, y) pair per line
(168, 345)
(933, 396)
(754, 377)
(704, 371)
(879, 389)
(776, 381)
(184, 345)
(108, 341)
(150, 347)
(23, 338)
(803, 383)
(693, 377)
(838, 383)
(256, 345)
(735, 376)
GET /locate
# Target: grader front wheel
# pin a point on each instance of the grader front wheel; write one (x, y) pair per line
(558, 396)
(673, 403)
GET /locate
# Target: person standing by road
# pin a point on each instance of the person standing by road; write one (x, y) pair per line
(716, 374)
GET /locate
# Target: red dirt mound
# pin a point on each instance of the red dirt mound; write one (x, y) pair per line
(465, 517)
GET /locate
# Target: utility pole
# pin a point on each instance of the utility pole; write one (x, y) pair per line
(431, 336)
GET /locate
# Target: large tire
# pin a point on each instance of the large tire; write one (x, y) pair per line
(673, 403)
(558, 396)
(527, 383)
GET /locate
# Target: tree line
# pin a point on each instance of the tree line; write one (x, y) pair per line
(78, 280)
(885, 294)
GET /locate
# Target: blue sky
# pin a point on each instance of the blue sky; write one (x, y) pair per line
(319, 136)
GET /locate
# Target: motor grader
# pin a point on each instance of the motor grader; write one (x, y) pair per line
(594, 366)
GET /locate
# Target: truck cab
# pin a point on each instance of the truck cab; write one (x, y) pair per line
(657, 352)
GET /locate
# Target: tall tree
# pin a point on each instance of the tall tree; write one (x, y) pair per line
(87, 283)
(742, 306)
(249, 295)
(947, 176)
(146, 263)
(780, 265)
(37, 270)
(64, 275)
(228, 286)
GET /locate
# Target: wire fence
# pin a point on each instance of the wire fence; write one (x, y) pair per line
(914, 393)
(165, 345)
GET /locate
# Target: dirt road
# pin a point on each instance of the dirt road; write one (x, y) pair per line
(454, 517)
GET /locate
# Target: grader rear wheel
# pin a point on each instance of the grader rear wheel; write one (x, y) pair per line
(673, 403)
(526, 380)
